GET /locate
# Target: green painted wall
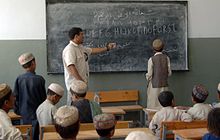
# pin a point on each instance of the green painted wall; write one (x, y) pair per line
(204, 67)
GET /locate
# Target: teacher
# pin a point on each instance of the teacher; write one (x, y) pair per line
(75, 59)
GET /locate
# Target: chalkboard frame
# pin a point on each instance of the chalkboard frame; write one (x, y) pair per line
(57, 71)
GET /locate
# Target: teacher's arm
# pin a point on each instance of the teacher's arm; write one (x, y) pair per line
(74, 72)
(108, 47)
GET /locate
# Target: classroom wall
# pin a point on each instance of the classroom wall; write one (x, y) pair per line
(23, 28)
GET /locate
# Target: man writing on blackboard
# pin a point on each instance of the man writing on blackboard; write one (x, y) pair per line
(157, 75)
(75, 58)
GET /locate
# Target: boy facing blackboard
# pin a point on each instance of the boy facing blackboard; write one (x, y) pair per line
(157, 74)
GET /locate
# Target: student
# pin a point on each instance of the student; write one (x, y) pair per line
(213, 125)
(167, 113)
(157, 74)
(67, 122)
(47, 109)
(105, 125)
(140, 135)
(30, 92)
(7, 130)
(75, 58)
(218, 90)
(87, 109)
(200, 110)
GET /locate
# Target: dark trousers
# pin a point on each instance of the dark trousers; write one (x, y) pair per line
(35, 128)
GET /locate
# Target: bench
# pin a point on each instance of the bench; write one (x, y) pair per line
(129, 99)
(26, 131)
(168, 126)
(83, 127)
(92, 134)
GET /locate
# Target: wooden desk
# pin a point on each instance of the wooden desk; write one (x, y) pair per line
(190, 134)
(118, 112)
(113, 110)
(14, 116)
(92, 134)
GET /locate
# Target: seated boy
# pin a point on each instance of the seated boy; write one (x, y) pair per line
(67, 122)
(167, 113)
(87, 109)
(218, 90)
(7, 130)
(47, 109)
(105, 125)
(200, 110)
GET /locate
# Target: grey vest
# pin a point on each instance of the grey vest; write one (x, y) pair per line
(160, 71)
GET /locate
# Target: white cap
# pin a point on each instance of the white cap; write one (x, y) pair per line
(140, 135)
(79, 87)
(4, 90)
(104, 121)
(218, 86)
(56, 88)
(66, 116)
(25, 58)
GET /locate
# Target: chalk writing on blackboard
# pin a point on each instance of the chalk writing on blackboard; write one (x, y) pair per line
(131, 25)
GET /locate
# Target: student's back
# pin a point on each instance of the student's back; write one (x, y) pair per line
(30, 92)
(87, 109)
(200, 110)
(167, 113)
(84, 109)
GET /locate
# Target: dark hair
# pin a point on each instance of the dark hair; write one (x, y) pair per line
(165, 98)
(28, 64)
(104, 132)
(74, 31)
(69, 131)
(160, 50)
(197, 100)
(50, 92)
(6, 97)
(214, 122)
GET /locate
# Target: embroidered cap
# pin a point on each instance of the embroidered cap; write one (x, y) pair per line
(4, 90)
(104, 121)
(66, 116)
(56, 88)
(157, 44)
(79, 87)
(139, 135)
(200, 92)
(25, 58)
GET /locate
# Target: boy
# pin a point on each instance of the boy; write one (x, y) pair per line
(7, 130)
(213, 125)
(47, 109)
(157, 75)
(218, 90)
(200, 110)
(105, 125)
(67, 122)
(167, 113)
(87, 109)
(29, 90)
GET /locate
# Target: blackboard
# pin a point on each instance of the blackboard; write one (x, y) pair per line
(132, 25)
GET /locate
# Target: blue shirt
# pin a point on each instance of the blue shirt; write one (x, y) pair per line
(209, 136)
(83, 106)
(30, 92)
